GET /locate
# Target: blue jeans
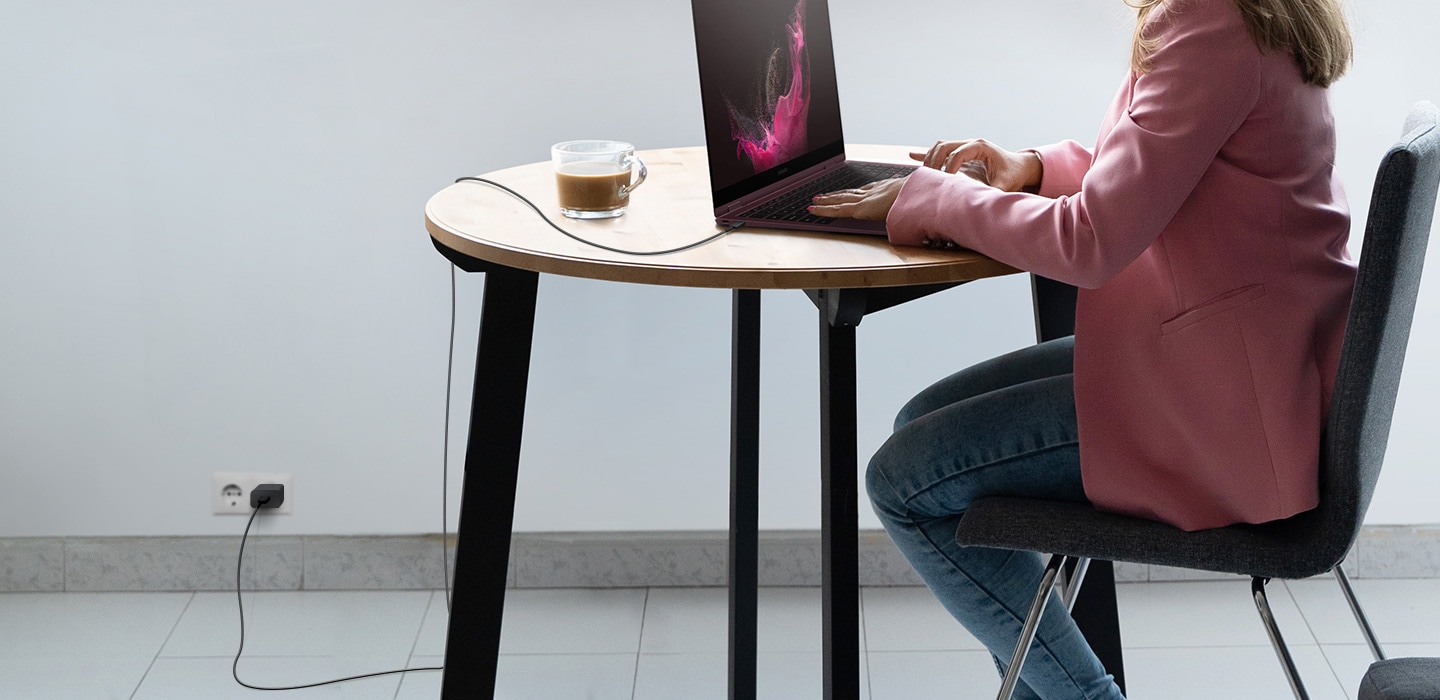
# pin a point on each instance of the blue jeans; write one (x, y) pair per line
(1003, 427)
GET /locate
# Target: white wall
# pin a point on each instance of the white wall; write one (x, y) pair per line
(212, 254)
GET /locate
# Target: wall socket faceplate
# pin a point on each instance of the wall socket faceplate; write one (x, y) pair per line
(230, 492)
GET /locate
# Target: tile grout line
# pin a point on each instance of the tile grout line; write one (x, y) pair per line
(161, 650)
(410, 658)
(1195, 647)
(639, 645)
(1303, 617)
(1310, 627)
(1334, 673)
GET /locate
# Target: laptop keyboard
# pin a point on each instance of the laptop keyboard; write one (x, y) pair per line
(790, 206)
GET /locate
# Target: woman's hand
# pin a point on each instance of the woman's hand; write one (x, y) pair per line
(977, 158)
(872, 201)
(986, 162)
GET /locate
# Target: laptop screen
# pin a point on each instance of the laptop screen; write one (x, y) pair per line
(767, 88)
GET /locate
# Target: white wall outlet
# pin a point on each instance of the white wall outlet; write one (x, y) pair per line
(230, 492)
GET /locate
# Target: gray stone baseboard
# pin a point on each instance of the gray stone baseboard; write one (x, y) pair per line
(537, 560)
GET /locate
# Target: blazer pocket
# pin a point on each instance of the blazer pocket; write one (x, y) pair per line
(1222, 303)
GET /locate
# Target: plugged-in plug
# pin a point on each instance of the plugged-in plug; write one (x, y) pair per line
(267, 496)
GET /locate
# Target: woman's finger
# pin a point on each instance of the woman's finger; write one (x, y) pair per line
(937, 154)
(843, 196)
(838, 196)
(974, 150)
(832, 210)
(941, 151)
(873, 203)
(930, 154)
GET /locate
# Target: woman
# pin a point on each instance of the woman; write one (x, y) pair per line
(1207, 232)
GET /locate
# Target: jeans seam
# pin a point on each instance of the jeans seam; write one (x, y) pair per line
(992, 463)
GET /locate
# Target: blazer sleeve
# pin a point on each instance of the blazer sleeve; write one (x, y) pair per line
(1204, 81)
(1064, 167)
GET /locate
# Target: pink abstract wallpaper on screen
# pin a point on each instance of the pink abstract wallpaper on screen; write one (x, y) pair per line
(774, 130)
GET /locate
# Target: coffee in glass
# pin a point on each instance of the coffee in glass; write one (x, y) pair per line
(593, 178)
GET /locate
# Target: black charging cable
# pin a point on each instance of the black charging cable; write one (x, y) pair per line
(262, 502)
(572, 236)
(240, 603)
(444, 528)
(450, 354)
(445, 452)
(450, 358)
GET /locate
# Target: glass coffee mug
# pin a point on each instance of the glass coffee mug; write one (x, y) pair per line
(593, 178)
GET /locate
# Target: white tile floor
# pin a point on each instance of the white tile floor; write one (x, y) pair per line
(1183, 640)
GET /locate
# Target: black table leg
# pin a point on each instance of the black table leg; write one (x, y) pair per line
(1095, 610)
(492, 459)
(744, 552)
(839, 527)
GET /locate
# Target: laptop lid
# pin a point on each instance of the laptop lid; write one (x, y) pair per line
(767, 89)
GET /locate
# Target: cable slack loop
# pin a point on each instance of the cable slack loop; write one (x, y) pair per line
(572, 236)
(235, 667)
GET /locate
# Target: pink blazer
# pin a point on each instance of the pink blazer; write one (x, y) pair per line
(1207, 232)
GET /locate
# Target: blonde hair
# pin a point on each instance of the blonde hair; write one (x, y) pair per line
(1314, 32)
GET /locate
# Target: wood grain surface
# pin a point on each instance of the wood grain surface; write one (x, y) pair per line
(671, 209)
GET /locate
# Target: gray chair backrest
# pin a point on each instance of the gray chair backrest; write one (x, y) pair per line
(1381, 310)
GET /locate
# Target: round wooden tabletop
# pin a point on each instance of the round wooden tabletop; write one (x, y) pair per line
(671, 209)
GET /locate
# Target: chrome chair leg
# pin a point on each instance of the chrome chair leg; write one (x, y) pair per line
(1360, 618)
(1032, 623)
(1257, 589)
(1077, 579)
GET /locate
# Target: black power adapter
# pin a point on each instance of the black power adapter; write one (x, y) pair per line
(267, 496)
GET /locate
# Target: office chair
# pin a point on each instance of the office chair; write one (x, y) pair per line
(1353, 444)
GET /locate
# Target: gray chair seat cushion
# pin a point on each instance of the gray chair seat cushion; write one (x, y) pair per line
(1284, 549)
(1402, 679)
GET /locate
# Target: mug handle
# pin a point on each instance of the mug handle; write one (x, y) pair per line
(627, 189)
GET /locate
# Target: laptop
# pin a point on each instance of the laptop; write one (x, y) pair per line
(772, 114)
